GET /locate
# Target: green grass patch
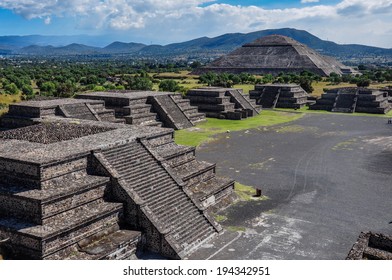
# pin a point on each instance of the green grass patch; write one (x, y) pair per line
(205, 132)
(236, 228)
(246, 193)
(346, 145)
(6, 99)
(220, 218)
(245, 87)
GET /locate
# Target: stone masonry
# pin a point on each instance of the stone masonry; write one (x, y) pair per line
(349, 100)
(223, 103)
(135, 107)
(82, 189)
(371, 246)
(279, 96)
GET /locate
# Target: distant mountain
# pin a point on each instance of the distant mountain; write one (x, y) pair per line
(200, 48)
(119, 47)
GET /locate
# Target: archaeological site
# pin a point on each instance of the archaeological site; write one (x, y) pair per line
(275, 54)
(99, 178)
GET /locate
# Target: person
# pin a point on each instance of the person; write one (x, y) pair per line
(389, 121)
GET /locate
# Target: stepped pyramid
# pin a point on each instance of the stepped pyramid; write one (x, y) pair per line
(275, 54)
(84, 189)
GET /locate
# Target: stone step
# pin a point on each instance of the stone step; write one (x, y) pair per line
(199, 238)
(197, 117)
(176, 217)
(118, 245)
(148, 190)
(165, 201)
(61, 233)
(191, 110)
(119, 149)
(37, 206)
(172, 150)
(140, 118)
(152, 123)
(159, 178)
(177, 97)
(213, 186)
(139, 109)
(171, 194)
(195, 171)
(134, 174)
(129, 161)
(192, 231)
(127, 156)
(119, 154)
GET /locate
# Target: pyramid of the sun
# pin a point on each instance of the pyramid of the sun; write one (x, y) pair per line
(275, 54)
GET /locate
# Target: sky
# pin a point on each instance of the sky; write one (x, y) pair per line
(367, 22)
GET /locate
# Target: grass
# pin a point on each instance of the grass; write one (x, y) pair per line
(245, 87)
(205, 132)
(246, 193)
(236, 228)
(8, 99)
(220, 218)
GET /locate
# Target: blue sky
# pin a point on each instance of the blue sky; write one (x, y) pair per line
(166, 21)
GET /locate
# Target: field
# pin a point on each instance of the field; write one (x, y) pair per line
(319, 86)
(205, 132)
(6, 99)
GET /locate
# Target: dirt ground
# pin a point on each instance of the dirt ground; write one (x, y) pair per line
(327, 178)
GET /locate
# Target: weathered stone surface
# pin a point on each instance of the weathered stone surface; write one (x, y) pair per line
(352, 99)
(279, 96)
(275, 54)
(371, 246)
(223, 103)
(68, 187)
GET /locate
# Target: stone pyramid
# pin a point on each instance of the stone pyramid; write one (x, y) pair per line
(272, 55)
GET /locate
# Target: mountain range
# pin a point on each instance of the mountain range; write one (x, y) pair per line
(203, 47)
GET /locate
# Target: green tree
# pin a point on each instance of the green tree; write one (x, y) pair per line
(27, 90)
(141, 83)
(169, 85)
(48, 88)
(11, 89)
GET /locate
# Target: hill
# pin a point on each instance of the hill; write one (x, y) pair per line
(201, 48)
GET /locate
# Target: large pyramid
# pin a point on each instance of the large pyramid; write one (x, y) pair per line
(272, 55)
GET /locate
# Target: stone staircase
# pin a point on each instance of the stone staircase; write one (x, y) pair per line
(169, 112)
(198, 177)
(78, 111)
(213, 102)
(345, 103)
(269, 98)
(244, 103)
(61, 212)
(173, 224)
(191, 112)
(104, 114)
(138, 112)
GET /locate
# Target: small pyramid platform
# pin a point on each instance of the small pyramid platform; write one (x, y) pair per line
(352, 99)
(275, 54)
(223, 103)
(279, 96)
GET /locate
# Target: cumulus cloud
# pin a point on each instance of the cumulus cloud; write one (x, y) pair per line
(173, 20)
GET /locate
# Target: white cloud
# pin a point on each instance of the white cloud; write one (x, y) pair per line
(356, 21)
(309, 1)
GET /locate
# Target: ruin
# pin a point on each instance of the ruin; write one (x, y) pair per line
(145, 108)
(352, 99)
(371, 246)
(85, 189)
(279, 96)
(223, 103)
(275, 54)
